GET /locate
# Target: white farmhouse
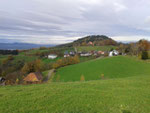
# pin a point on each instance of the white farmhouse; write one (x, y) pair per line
(85, 54)
(113, 53)
(66, 55)
(52, 56)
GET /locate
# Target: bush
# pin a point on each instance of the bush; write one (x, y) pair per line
(66, 61)
(102, 76)
(82, 78)
(33, 66)
(144, 55)
(14, 78)
(42, 48)
(10, 57)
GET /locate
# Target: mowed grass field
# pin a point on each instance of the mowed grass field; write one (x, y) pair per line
(97, 48)
(111, 67)
(119, 95)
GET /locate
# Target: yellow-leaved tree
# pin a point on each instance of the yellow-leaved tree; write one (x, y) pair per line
(82, 78)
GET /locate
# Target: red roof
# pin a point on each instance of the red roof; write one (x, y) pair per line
(34, 77)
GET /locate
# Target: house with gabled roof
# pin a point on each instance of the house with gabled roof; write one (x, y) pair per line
(34, 77)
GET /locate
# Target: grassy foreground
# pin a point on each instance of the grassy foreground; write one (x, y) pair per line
(122, 95)
(114, 67)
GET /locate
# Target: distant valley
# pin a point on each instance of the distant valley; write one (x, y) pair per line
(21, 46)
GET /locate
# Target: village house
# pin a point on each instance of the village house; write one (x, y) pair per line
(101, 52)
(113, 53)
(2, 81)
(72, 53)
(95, 53)
(52, 56)
(90, 43)
(35, 77)
(85, 54)
(66, 54)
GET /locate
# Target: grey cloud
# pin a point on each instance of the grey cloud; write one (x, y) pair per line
(73, 18)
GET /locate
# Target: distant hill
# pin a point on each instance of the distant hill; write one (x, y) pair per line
(92, 38)
(13, 46)
(99, 40)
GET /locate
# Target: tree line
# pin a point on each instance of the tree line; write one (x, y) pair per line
(9, 52)
(140, 49)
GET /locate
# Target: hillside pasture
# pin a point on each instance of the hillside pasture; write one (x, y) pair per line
(105, 68)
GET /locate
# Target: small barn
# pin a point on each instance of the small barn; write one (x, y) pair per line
(34, 77)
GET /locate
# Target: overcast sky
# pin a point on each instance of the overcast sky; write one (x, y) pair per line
(61, 21)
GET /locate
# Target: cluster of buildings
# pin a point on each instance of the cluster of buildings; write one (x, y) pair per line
(37, 77)
(85, 54)
(68, 54)
(91, 53)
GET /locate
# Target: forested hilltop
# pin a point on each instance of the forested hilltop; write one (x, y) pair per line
(93, 40)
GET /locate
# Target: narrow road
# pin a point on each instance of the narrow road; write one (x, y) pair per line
(49, 74)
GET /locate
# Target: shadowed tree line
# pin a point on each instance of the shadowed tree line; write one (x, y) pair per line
(9, 52)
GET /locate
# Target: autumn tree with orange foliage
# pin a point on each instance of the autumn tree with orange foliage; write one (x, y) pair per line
(33, 66)
(66, 61)
(144, 47)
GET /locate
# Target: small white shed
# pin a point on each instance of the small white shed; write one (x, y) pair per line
(52, 56)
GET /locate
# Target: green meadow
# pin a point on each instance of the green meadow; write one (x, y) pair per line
(97, 48)
(118, 95)
(19, 58)
(112, 85)
(110, 67)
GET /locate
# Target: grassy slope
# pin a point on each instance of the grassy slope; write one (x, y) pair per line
(102, 96)
(46, 60)
(45, 73)
(2, 57)
(90, 48)
(115, 67)
(18, 58)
